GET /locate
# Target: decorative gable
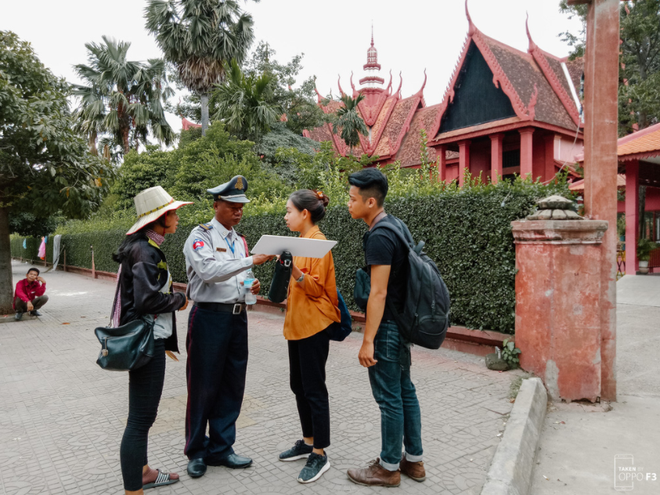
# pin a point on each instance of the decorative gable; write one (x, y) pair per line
(476, 99)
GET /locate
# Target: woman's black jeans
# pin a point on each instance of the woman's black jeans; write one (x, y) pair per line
(307, 358)
(144, 391)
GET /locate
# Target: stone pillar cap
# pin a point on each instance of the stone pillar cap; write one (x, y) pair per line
(555, 207)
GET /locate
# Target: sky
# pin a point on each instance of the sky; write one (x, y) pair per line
(334, 36)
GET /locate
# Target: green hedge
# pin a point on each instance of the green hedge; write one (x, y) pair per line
(467, 232)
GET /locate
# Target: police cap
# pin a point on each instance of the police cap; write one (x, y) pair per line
(233, 191)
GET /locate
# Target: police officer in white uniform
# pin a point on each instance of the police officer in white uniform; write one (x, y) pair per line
(217, 343)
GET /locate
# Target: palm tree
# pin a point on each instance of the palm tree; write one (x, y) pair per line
(246, 103)
(350, 122)
(200, 37)
(122, 98)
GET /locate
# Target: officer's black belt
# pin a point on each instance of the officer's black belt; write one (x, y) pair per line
(235, 309)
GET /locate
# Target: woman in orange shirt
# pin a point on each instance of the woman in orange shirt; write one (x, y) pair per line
(311, 308)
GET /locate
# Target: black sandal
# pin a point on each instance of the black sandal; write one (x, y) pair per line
(161, 480)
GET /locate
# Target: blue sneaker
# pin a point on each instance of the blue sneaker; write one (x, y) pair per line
(314, 469)
(299, 451)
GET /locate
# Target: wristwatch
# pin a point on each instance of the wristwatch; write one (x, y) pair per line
(302, 277)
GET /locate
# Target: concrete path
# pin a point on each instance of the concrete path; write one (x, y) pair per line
(583, 446)
(62, 417)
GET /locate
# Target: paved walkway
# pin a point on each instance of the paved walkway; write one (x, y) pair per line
(580, 442)
(62, 417)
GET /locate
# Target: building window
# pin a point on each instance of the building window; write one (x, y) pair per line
(511, 158)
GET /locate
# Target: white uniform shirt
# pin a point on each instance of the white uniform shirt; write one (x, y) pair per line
(216, 261)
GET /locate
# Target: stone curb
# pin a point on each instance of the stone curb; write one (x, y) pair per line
(511, 470)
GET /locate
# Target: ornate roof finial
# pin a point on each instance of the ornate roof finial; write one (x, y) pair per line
(389, 86)
(421, 90)
(355, 93)
(472, 28)
(532, 45)
(372, 32)
(320, 98)
(398, 91)
(339, 84)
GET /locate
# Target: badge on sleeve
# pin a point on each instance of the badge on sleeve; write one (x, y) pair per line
(198, 244)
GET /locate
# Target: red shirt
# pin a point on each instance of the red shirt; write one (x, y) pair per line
(28, 291)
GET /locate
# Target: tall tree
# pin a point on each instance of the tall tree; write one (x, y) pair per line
(298, 101)
(45, 167)
(349, 122)
(245, 104)
(200, 37)
(639, 73)
(121, 98)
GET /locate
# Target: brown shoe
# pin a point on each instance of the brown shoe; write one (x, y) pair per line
(414, 470)
(375, 475)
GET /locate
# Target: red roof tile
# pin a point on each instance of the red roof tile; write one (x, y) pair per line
(409, 152)
(579, 184)
(641, 144)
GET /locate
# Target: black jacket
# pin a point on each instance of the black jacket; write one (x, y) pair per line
(143, 274)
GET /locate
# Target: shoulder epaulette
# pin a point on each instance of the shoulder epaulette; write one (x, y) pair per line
(206, 226)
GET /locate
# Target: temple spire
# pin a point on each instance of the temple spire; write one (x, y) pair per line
(372, 64)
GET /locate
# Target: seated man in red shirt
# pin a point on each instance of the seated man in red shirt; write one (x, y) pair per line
(29, 295)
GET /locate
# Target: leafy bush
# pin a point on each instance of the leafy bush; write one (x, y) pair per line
(510, 353)
(467, 232)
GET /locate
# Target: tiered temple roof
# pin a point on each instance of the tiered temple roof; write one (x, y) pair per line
(534, 87)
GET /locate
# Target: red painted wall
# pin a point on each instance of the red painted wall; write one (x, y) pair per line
(480, 160)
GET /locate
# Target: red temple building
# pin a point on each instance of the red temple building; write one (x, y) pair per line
(504, 112)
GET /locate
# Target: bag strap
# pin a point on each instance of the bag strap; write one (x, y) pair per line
(398, 231)
(407, 239)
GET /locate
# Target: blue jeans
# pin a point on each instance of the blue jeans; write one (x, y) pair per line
(400, 417)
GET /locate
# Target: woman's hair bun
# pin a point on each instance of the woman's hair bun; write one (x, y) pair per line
(311, 200)
(323, 198)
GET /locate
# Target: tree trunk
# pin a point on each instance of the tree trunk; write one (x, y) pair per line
(6, 283)
(124, 138)
(204, 98)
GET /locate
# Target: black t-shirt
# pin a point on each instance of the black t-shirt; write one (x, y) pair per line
(383, 247)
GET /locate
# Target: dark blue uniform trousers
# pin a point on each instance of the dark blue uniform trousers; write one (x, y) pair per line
(217, 346)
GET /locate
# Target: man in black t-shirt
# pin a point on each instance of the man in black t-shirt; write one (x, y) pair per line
(383, 351)
(383, 247)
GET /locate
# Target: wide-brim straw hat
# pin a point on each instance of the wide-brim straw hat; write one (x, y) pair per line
(151, 204)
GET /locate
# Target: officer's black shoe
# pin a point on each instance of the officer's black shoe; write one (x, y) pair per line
(233, 461)
(196, 468)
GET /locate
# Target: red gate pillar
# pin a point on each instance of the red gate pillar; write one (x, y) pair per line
(557, 300)
(601, 82)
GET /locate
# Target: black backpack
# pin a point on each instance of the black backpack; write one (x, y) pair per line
(339, 330)
(424, 318)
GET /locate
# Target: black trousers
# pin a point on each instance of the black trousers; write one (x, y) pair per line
(37, 302)
(145, 387)
(217, 345)
(307, 358)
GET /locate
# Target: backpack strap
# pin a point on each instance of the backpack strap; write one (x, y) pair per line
(403, 233)
(406, 239)
(247, 252)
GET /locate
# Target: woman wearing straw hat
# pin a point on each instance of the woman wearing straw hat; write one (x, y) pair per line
(144, 289)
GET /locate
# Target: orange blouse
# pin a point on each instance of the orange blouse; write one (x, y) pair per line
(312, 309)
